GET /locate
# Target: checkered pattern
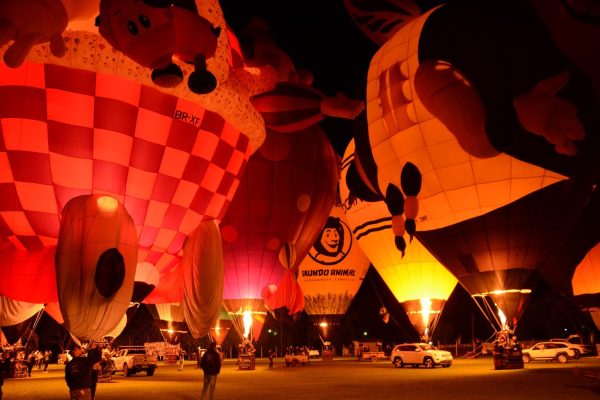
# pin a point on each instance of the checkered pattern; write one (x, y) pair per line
(66, 132)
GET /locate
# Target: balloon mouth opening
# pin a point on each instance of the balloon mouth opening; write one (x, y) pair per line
(110, 272)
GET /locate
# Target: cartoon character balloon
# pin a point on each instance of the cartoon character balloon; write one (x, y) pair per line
(152, 34)
(333, 271)
(92, 123)
(471, 130)
(420, 283)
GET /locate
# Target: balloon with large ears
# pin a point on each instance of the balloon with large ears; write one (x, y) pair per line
(152, 35)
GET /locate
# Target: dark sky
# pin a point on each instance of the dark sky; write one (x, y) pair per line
(318, 36)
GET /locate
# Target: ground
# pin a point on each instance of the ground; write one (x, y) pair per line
(339, 379)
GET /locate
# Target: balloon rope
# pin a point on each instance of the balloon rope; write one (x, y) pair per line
(433, 324)
(479, 349)
(163, 336)
(487, 313)
(383, 305)
(35, 323)
(77, 341)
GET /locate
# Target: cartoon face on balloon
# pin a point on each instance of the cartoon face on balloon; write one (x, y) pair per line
(130, 26)
(330, 239)
(330, 247)
(152, 35)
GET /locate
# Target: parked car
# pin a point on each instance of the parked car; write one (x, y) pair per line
(416, 354)
(132, 359)
(575, 342)
(552, 351)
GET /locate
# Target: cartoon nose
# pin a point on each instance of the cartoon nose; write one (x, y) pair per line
(110, 272)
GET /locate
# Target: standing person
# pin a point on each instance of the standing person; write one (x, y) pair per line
(211, 365)
(78, 372)
(30, 362)
(3, 367)
(47, 355)
(39, 359)
(198, 359)
(271, 357)
(180, 361)
(96, 372)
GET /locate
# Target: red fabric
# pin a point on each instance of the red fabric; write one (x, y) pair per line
(288, 294)
(67, 132)
(280, 201)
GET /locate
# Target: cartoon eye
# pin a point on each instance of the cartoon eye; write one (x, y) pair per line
(132, 28)
(144, 20)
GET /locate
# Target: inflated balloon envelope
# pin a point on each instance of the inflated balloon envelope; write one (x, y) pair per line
(283, 200)
(586, 284)
(470, 126)
(95, 265)
(89, 120)
(419, 282)
(333, 270)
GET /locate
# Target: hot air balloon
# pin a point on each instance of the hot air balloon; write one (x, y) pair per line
(332, 272)
(586, 284)
(169, 319)
(218, 333)
(491, 206)
(19, 318)
(92, 123)
(283, 200)
(418, 280)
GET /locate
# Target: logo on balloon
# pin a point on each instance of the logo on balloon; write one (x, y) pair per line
(333, 244)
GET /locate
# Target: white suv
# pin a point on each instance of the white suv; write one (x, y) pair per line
(574, 341)
(560, 352)
(416, 354)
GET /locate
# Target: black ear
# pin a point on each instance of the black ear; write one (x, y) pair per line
(97, 21)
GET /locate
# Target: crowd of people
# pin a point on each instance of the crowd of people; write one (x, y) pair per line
(19, 364)
(297, 350)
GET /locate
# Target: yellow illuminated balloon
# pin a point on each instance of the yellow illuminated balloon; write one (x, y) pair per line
(418, 280)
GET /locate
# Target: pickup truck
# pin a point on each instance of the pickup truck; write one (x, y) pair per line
(132, 359)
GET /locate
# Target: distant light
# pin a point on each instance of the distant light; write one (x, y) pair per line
(565, 329)
(269, 331)
(365, 333)
(323, 324)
